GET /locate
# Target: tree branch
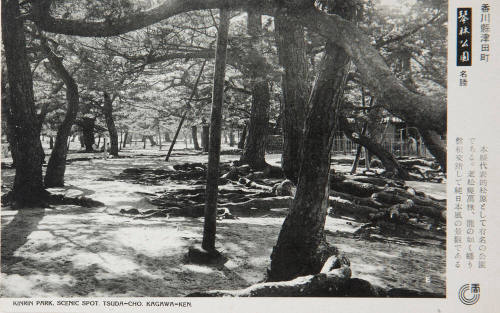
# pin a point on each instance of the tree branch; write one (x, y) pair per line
(135, 21)
(384, 42)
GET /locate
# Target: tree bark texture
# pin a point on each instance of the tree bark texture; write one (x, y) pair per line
(7, 119)
(28, 183)
(110, 123)
(420, 111)
(213, 172)
(54, 176)
(292, 56)
(255, 145)
(301, 239)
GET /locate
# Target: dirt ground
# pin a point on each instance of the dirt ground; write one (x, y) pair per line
(74, 251)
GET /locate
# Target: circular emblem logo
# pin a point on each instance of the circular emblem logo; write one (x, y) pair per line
(468, 294)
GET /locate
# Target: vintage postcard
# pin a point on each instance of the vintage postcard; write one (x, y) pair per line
(249, 156)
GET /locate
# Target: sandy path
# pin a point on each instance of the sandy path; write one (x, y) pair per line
(75, 251)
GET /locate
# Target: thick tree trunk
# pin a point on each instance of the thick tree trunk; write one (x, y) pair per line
(292, 56)
(241, 143)
(388, 160)
(300, 248)
(209, 227)
(194, 134)
(28, 183)
(205, 135)
(7, 116)
(88, 125)
(417, 110)
(255, 146)
(54, 176)
(110, 123)
(433, 143)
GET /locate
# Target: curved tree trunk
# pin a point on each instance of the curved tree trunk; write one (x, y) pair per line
(54, 177)
(110, 123)
(417, 110)
(209, 226)
(292, 56)
(300, 247)
(388, 160)
(433, 142)
(28, 182)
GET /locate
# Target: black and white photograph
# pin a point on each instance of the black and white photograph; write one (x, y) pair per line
(233, 148)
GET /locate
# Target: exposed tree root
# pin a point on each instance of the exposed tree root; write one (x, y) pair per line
(334, 280)
(229, 210)
(382, 202)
